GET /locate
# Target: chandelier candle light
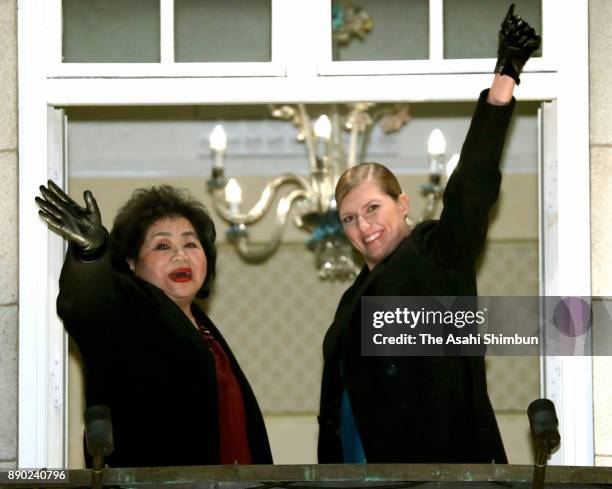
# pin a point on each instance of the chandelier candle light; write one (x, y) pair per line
(439, 172)
(218, 143)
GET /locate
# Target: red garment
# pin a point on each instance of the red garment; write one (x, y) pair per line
(233, 440)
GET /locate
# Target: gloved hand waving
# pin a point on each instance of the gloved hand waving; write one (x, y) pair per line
(517, 42)
(80, 225)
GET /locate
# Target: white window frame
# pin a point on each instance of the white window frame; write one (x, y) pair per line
(167, 67)
(436, 62)
(300, 70)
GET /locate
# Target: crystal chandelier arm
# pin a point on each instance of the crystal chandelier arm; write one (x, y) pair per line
(259, 252)
(365, 141)
(306, 127)
(377, 115)
(264, 202)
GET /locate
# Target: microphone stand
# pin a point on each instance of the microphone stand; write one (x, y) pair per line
(544, 430)
(99, 438)
(539, 469)
(97, 471)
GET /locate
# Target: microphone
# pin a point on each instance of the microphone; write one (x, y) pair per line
(545, 433)
(99, 439)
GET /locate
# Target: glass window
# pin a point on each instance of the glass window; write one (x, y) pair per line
(230, 30)
(380, 30)
(471, 26)
(110, 31)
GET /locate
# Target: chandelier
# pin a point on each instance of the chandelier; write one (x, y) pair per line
(311, 196)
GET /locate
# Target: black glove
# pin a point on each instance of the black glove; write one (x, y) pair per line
(517, 42)
(79, 225)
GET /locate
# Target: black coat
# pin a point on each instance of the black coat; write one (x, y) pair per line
(422, 409)
(146, 361)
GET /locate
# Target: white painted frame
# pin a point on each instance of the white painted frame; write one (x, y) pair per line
(57, 339)
(296, 73)
(565, 234)
(167, 67)
(436, 62)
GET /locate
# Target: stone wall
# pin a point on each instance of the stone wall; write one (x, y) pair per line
(600, 74)
(9, 291)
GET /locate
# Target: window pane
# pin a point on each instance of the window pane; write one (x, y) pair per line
(399, 30)
(471, 26)
(228, 30)
(110, 31)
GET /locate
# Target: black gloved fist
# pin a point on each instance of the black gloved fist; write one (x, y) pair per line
(517, 42)
(80, 225)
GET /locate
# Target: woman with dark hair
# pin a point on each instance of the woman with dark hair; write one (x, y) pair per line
(176, 393)
(419, 409)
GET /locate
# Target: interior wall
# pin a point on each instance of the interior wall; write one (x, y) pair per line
(275, 314)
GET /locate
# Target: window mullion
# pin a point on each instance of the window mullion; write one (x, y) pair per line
(281, 32)
(436, 30)
(166, 31)
(308, 34)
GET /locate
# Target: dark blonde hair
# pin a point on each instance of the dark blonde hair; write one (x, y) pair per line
(364, 172)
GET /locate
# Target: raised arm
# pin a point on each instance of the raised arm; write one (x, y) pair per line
(86, 282)
(474, 186)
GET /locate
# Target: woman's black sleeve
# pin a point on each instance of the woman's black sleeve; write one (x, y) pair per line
(473, 187)
(89, 291)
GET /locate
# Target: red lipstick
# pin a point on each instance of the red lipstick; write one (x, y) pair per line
(181, 275)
